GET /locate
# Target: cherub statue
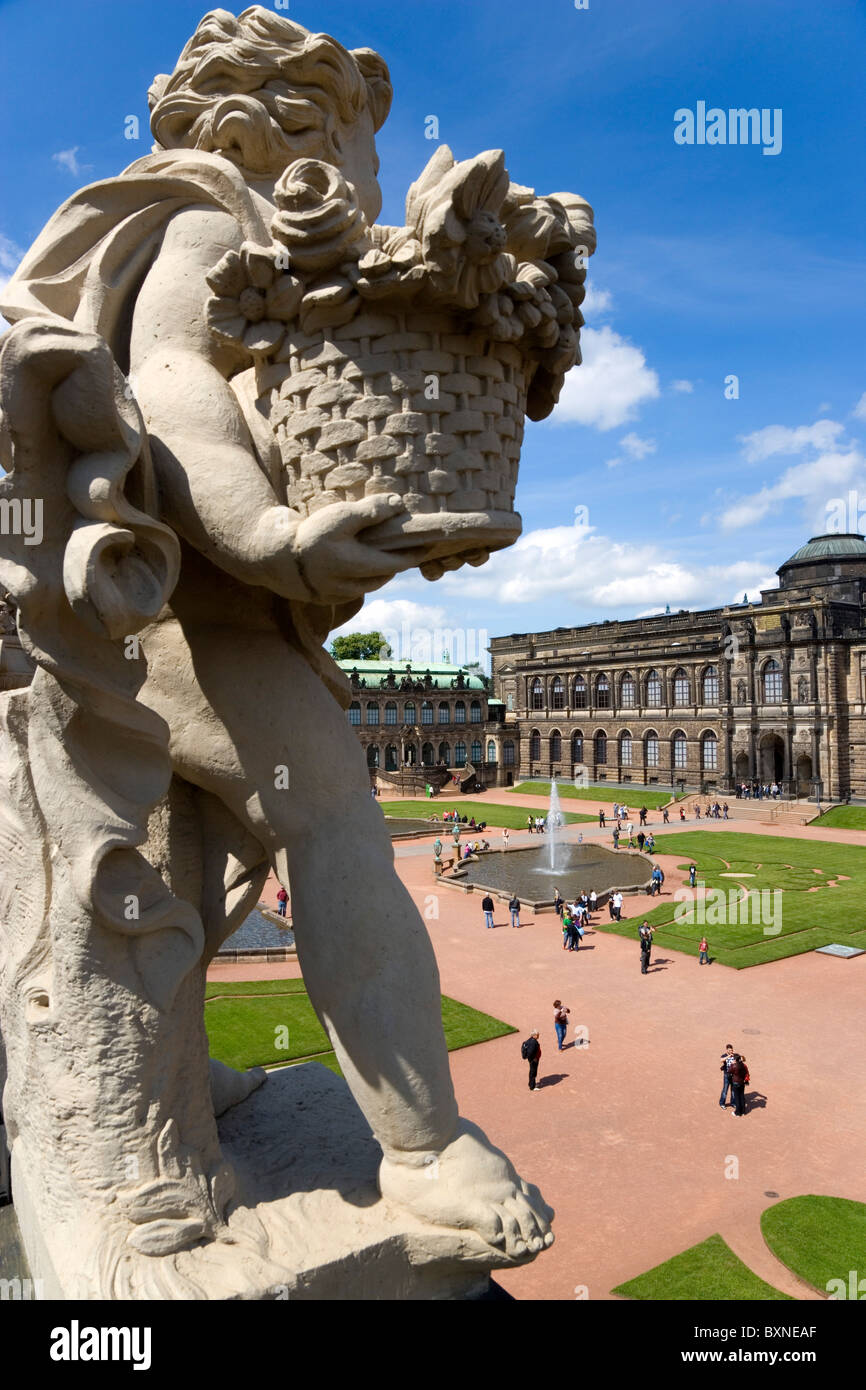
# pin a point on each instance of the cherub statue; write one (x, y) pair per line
(245, 406)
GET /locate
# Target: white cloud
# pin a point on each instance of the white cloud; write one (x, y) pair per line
(778, 439)
(859, 411)
(596, 303)
(816, 483)
(68, 159)
(613, 463)
(420, 632)
(607, 389)
(686, 387)
(615, 575)
(635, 446)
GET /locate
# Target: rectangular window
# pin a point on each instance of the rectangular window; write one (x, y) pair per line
(625, 746)
(354, 714)
(679, 752)
(372, 714)
(390, 714)
(652, 752)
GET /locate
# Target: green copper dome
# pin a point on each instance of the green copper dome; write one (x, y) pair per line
(833, 547)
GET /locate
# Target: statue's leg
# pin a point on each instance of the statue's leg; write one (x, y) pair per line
(252, 724)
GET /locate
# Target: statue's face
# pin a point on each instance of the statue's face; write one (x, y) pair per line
(360, 164)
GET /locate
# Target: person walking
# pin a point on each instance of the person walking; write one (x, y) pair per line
(505, 839)
(630, 832)
(666, 820)
(703, 952)
(617, 906)
(645, 938)
(514, 909)
(727, 1060)
(567, 923)
(529, 824)
(616, 837)
(487, 909)
(693, 874)
(560, 1022)
(725, 811)
(558, 903)
(600, 819)
(641, 837)
(282, 901)
(530, 1051)
(643, 811)
(682, 813)
(593, 902)
(739, 1075)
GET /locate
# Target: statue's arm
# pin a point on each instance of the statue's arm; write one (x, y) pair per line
(212, 489)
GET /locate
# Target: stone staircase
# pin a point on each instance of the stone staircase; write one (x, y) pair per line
(765, 812)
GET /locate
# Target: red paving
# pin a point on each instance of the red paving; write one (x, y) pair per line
(625, 1137)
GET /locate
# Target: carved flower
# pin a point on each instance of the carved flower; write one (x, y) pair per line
(393, 266)
(319, 220)
(253, 300)
(455, 212)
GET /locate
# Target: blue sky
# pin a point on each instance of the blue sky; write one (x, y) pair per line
(713, 260)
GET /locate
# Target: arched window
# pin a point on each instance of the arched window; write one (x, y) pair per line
(577, 746)
(372, 755)
(475, 712)
(652, 749)
(372, 712)
(678, 744)
(536, 694)
(602, 693)
(491, 751)
(625, 749)
(557, 694)
(556, 746)
(427, 754)
(709, 751)
(409, 712)
(460, 712)
(459, 754)
(508, 752)
(578, 693)
(475, 751)
(681, 687)
(426, 712)
(772, 683)
(391, 758)
(601, 747)
(391, 713)
(534, 746)
(626, 690)
(445, 754)
(710, 694)
(654, 689)
(354, 713)
(444, 712)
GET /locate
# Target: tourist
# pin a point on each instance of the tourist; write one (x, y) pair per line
(472, 823)
(600, 819)
(643, 811)
(725, 811)
(560, 1022)
(703, 952)
(514, 909)
(558, 903)
(727, 1062)
(529, 824)
(640, 840)
(697, 811)
(593, 902)
(616, 837)
(630, 833)
(531, 1053)
(282, 901)
(657, 878)
(610, 907)
(567, 921)
(682, 813)
(487, 909)
(505, 838)
(650, 843)
(646, 942)
(539, 825)
(485, 844)
(739, 1075)
(693, 874)
(574, 932)
(617, 906)
(665, 816)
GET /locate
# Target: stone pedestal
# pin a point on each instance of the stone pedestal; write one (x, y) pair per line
(306, 1163)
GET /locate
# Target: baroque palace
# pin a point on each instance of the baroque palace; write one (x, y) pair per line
(773, 691)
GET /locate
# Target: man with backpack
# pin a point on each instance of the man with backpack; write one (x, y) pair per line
(530, 1051)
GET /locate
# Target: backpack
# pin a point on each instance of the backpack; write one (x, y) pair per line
(528, 1049)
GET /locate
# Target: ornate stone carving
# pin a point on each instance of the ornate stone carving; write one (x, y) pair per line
(245, 405)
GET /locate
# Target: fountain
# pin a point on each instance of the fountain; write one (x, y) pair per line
(554, 824)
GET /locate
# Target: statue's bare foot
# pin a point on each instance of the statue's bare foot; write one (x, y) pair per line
(471, 1185)
(229, 1087)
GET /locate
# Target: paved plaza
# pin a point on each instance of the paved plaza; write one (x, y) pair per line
(625, 1136)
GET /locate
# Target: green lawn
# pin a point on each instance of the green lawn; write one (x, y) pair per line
(736, 863)
(272, 1022)
(513, 816)
(634, 797)
(843, 818)
(707, 1271)
(819, 1238)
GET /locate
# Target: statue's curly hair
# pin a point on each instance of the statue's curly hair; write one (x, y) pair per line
(262, 90)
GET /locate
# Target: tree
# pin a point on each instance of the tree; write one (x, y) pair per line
(361, 646)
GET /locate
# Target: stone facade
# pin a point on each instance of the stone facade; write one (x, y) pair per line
(426, 725)
(774, 690)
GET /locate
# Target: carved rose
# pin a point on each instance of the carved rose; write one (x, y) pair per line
(254, 299)
(319, 220)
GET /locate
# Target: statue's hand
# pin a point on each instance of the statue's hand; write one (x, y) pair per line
(336, 562)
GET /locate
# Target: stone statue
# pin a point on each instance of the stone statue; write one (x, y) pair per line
(244, 405)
